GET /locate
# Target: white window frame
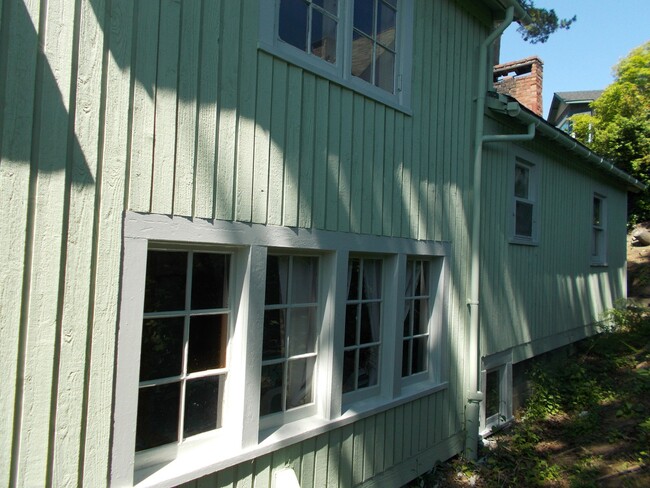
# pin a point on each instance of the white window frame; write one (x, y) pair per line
(598, 240)
(340, 72)
(501, 364)
(532, 199)
(242, 435)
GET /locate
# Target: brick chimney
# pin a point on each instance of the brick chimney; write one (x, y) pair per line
(521, 80)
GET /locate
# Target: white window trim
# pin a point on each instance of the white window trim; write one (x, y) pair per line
(207, 452)
(340, 72)
(501, 363)
(524, 159)
(601, 258)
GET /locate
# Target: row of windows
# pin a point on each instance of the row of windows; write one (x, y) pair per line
(244, 337)
(187, 317)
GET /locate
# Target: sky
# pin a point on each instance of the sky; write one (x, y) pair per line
(582, 57)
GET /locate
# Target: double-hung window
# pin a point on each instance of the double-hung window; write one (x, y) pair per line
(184, 342)
(415, 338)
(363, 319)
(365, 45)
(598, 231)
(525, 227)
(290, 333)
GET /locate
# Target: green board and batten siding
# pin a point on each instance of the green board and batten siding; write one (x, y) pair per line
(169, 107)
(531, 295)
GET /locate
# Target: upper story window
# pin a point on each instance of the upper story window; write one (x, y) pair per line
(365, 45)
(598, 231)
(525, 227)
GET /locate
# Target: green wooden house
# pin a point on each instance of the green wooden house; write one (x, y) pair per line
(278, 242)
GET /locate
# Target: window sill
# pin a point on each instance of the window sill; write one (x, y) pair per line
(207, 455)
(524, 242)
(599, 265)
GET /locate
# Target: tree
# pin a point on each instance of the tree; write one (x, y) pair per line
(619, 128)
(544, 23)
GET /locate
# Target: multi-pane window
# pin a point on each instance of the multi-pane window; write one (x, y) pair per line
(415, 337)
(311, 26)
(184, 342)
(362, 324)
(290, 333)
(374, 49)
(524, 202)
(598, 243)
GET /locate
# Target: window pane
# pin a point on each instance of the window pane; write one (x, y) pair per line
(293, 23)
(419, 359)
(371, 279)
(271, 389)
(299, 389)
(363, 15)
(207, 342)
(161, 351)
(385, 69)
(368, 367)
(386, 22)
(524, 219)
(370, 322)
(492, 394)
(165, 281)
(305, 280)
(349, 367)
(407, 318)
(422, 274)
(274, 334)
(421, 316)
(354, 267)
(329, 5)
(361, 56)
(277, 280)
(351, 312)
(209, 280)
(406, 358)
(302, 336)
(158, 409)
(597, 211)
(201, 405)
(323, 36)
(522, 176)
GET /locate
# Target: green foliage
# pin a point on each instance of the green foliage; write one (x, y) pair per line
(544, 23)
(619, 129)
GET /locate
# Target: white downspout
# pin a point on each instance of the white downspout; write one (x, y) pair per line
(474, 395)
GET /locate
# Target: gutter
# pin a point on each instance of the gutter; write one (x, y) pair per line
(505, 105)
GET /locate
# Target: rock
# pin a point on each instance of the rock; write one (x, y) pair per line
(642, 238)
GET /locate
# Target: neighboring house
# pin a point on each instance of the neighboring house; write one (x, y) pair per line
(567, 104)
(253, 242)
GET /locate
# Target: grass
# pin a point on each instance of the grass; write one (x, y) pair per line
(586, 424)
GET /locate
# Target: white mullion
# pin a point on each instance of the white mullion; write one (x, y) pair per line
(186, 340)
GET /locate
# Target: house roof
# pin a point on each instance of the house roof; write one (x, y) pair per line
(562, 99)
(503, 104)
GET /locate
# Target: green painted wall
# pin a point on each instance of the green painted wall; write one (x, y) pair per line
(169, 107)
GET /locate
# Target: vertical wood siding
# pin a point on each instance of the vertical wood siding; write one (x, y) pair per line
(533, 293)
(168, 106)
